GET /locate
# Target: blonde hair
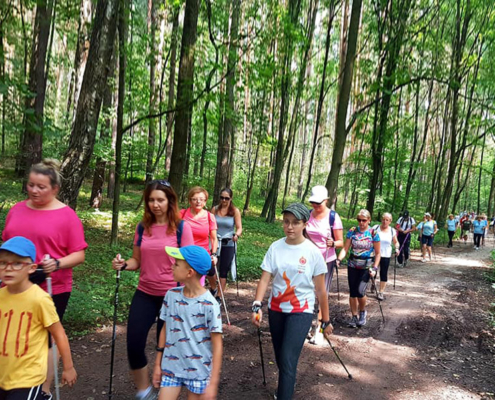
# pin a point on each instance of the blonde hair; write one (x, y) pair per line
(51, 168)
(364, 213)
(387, 215)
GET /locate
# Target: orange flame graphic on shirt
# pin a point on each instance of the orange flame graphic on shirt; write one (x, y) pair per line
(289, 295)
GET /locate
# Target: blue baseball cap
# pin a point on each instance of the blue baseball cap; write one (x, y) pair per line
(197, 257)
(20, 246)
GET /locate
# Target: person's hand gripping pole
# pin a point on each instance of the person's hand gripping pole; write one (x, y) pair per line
(256, 318)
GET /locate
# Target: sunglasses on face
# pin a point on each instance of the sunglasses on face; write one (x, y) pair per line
(162, 182)
(224, 198)
(315, 203)
(362, 220)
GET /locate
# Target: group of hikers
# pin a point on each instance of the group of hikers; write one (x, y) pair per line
(175, 252)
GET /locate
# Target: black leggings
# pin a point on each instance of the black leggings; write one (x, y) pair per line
(225, 261)
(477, 239)
(61, 301)
(33, 393)
(384, 264)
(145, 309)
(451, 236)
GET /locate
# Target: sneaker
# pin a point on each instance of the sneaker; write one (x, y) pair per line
(362, 318)
(353, 322)
(380, 296)
(151, 395)
(399, 265)
(46, 396)
(423, 260)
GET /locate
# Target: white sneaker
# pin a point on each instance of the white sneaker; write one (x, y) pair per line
(423, 260)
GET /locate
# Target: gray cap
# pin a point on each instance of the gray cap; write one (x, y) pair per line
(299, 210)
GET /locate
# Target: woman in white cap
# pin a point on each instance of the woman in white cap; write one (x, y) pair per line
(325, 229)
(428, 231)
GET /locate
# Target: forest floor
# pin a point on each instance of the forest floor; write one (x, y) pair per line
(437, 342)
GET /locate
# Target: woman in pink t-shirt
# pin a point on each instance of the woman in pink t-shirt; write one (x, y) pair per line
(55, 230)
(204, 227)
(327, 238)
(161, 226)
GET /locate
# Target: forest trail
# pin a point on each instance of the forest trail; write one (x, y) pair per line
(436, 342)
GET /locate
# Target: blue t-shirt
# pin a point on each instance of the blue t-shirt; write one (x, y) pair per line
(362, 242)
(189, 324)
(478, 227)
(451, 223)
(429, 227)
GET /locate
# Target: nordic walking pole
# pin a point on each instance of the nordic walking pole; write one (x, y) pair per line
(220, 285)
(54, 344)
(338, 357)
(114, 330)
(376, 292)
(261, 351)
(395, 269)
(336, 270)
(236, 271)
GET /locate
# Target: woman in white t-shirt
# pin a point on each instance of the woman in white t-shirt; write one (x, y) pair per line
(297, 268)
(388, 237)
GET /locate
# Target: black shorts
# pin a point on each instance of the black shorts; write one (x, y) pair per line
(61, 301)
(32, 393)
(358, 280)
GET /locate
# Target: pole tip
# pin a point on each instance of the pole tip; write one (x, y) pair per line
(350, 376)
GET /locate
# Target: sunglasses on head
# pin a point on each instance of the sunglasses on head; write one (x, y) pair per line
(162, 182)
(361, 220)
(224, 198)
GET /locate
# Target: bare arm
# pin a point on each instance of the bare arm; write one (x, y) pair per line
(157, 370)
(321, 293)
(376, 247)
(260, 293)
(70, 261)
(337, 241)
(238, 224)
(132, 263)
(216, 366)
(345, 250)
(69, 374)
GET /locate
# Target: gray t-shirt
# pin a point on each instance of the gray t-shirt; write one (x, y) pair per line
(189, 323)
(225, 229)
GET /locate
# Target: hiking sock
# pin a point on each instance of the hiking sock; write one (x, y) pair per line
(141, 394)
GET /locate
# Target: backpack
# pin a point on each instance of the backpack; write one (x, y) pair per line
(140, 229)
(332, 221)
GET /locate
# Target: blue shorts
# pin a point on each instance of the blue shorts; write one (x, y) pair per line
(193, 385)
(428, 240)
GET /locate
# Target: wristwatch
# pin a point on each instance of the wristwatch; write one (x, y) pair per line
(57, 263)
(160, 349)
(257, 305)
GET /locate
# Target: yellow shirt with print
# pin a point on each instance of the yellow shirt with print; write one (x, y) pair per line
(24, 319)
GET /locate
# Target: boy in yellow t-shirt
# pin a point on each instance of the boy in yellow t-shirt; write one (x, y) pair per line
(27, 314)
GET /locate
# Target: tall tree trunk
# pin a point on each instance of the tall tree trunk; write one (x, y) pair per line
(171, 87)
(123, 18)
(343, 103)
(83, 133)
(478, 209)
(225, 142)
(491, 198)
(321, 98)
(184, 94)
(35, 101)
(2, 82)
(288, 48)
(152, 87)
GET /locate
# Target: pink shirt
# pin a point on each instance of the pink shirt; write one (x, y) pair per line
(57, 233)
(201, 227)
(319, 231)
(156, 276)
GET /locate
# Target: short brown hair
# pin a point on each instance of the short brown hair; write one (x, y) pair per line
(195, 190)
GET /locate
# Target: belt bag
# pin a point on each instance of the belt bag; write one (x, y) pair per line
(361, 263)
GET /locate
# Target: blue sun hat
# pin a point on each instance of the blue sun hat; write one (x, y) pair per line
(197, 257)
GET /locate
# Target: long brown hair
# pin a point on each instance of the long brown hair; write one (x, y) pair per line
(173, 214)
(231, 209)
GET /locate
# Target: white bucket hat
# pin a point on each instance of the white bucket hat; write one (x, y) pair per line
(318, 194)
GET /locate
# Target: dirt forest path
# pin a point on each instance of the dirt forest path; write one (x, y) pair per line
(436, 342)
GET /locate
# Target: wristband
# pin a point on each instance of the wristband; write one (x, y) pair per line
(214, 255)
(123, 266)
(57, 262)
(160, 349)
(256, 307)
(324, 324)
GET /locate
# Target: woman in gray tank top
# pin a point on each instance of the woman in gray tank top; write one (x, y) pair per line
(229, 230)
